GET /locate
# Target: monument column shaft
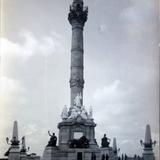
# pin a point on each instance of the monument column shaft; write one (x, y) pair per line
(76, 77)
(77, 18)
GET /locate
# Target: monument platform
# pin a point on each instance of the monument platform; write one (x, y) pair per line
(55, 153)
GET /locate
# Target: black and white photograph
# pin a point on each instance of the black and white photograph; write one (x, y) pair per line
(79, 80)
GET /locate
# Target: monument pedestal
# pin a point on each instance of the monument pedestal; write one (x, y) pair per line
(148, 145)
(50, 153)
(148, 154)
(75, 129)
(14, 153)
(83, 154)
(108, 151)
(76, 141)
(23, 157)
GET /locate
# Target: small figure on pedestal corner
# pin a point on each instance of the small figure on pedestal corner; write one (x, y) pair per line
(105, 141)
(64, 114)
(53, 140)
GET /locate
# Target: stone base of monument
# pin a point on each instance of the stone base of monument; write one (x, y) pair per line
(83, 154)
(50, 153)
(108, 151)
(148, 154)
(23, 156)
(54, 153)
(14, 153)
(93, 145)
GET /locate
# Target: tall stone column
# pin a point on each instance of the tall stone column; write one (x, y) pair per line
(77, 18)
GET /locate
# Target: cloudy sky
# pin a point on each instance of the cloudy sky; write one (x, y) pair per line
(121, 69)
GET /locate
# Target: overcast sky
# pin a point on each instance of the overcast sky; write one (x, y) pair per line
(121, 69)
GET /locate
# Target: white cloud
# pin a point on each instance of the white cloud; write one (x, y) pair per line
(30, 46)
(15, 57)
(118, 107)
(115, 95)
(139, 18)
(30, 129)
(10, 86)
(11, 94)
(111, 93)
(16, 91)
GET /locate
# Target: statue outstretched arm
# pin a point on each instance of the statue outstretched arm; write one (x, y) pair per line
(49, 133)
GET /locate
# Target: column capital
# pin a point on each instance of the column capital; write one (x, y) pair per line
(78, 13)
